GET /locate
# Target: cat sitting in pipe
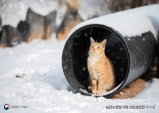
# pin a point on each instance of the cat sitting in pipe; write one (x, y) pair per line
(101, 71)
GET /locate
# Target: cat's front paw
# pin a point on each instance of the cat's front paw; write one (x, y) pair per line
(94, 91)
(100, 92)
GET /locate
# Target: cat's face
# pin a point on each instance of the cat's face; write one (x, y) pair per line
(97, 48)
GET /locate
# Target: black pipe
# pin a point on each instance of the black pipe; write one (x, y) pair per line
(132, 55)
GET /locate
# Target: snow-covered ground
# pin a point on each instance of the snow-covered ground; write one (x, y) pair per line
(40, 85)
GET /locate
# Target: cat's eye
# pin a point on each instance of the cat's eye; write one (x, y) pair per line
(97, 47)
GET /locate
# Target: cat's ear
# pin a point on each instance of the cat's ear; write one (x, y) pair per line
(91, 40)
(104, 42)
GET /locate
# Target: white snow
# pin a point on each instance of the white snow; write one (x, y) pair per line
(129, 23)
(90, 8)
(43, 87)
(61, 13)
(13, 11)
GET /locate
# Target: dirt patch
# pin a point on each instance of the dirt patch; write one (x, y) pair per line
(135, 87)
(20, 76)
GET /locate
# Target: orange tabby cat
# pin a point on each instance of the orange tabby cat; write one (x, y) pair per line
(100, 69)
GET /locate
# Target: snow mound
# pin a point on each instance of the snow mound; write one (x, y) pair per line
(13, 11)
(31, 75)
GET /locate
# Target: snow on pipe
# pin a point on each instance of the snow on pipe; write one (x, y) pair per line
(131, 46)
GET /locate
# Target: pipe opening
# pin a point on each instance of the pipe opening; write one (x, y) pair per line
(75, 55)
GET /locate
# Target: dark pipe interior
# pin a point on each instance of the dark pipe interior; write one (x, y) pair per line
(75, 54)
